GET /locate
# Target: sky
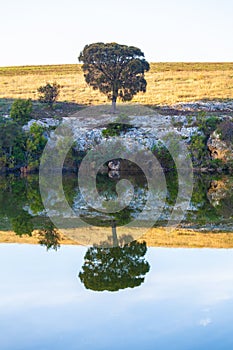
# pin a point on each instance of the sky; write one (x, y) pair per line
(55, 31)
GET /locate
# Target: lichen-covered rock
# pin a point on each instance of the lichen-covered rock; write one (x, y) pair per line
(219, 149)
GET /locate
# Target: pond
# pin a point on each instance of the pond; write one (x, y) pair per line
(185, 302)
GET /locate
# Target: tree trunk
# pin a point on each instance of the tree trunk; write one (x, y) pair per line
(113, 107)
(114, 98)
(114, 235)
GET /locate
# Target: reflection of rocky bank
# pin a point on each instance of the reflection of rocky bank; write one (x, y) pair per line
(220, 195)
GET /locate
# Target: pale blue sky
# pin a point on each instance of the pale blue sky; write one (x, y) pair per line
(55, 31)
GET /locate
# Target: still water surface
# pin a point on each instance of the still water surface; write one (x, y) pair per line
(184, 303)
(120, 298)
(21, 206)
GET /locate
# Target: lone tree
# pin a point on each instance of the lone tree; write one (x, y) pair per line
(116, 70)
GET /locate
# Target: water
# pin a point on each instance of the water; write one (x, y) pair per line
(185, 302)
(21, 207)
(126, 297)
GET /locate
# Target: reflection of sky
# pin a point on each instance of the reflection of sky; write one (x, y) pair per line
(186, 302)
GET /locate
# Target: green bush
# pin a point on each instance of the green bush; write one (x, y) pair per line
(21, 111)
(35, 144)
(198, 148)
(114, 129)
(198, 142)
(209, 125)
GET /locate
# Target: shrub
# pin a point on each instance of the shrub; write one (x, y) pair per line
(35, 144)
(209, 125)
(21, 111)
(49, 93)
(198, 148)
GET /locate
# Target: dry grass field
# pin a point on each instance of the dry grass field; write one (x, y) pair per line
(168, 83)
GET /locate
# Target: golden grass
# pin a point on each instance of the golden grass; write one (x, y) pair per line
(168, 83)
(156, 237)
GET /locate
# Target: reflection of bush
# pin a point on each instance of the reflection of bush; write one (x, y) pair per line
(24, 224)
(206, 211)
(163, 155)
(114, 268)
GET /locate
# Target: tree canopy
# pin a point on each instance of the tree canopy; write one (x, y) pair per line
(116, 70)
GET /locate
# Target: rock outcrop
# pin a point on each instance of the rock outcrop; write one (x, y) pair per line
(219, 149)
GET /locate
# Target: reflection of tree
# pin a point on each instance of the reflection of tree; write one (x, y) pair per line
(204, 212)
(49, 237)
(114, 268)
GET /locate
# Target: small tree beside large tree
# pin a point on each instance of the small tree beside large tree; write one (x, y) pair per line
(116, 70)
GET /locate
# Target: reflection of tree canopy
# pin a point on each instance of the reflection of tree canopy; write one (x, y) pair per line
(114, 268)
